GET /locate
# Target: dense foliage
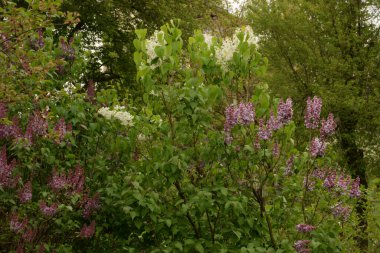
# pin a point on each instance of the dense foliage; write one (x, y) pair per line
(198, 157)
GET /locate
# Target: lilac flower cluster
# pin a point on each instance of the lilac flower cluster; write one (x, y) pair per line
(342, 184)
(305, 228)
(25, 193)
(48, 210)
(6, 169)
(276, 150)
(341, 212)
(317, 147)
(72, 182)
(87, 231)
(90, 205)
(10, 130)
(309, 184)
(302, 246)
(265, 132)
(62, 129)
(285, 111)
(273, 123)
(313, 112)
(355, 188)
(328, 126)
(37, 126)
(16, 225)
(289, 166)
(242, 114)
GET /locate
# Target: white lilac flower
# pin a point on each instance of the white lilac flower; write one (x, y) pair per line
(208, 39)
(118, 113)
(225, 52)
(151, 44)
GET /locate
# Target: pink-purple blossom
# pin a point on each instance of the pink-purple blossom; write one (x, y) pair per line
(328, 126)
(242, 114)
(273, 123)
(341, 212)
(6, 170)
(276, 150)
(264, 132)
(87, 231)
(16, 225)
(285, 111)
(72, 181)
(302, 246)
(305, 228)
(90, 205)
(62, 129)
(355, 188)
(317, 147)
(25, 193)
(48, 210)
(309, 183)
(330, 179)
(313, 112)
(289, 166)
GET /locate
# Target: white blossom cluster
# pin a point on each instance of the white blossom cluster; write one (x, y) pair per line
(226, 51)
(208, 39)
(119, 113)
(151, 44)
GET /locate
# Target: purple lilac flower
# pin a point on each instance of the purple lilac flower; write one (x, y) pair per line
(6, 170)
(305, 228)
(330, 179)
(344, 182)
(48, 210)
(57, 181)
(340, 211)
(313, 112)
(289, 166)
(90, 205)
(61, 128)
(276, 150)
(87, 231)
(242, 114)
(317, 147)
(273, 122)
(265, 132)
(309, 184)
(355, 188)
(246, 113)
(38, 124)
(328, 126)
(319, 173)
(16, 224)
(13, 130)
(301, 246)
(76, 179)
(285, 111)
(25, 193)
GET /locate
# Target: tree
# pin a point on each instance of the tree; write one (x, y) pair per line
(108, 28)
(330, 48)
